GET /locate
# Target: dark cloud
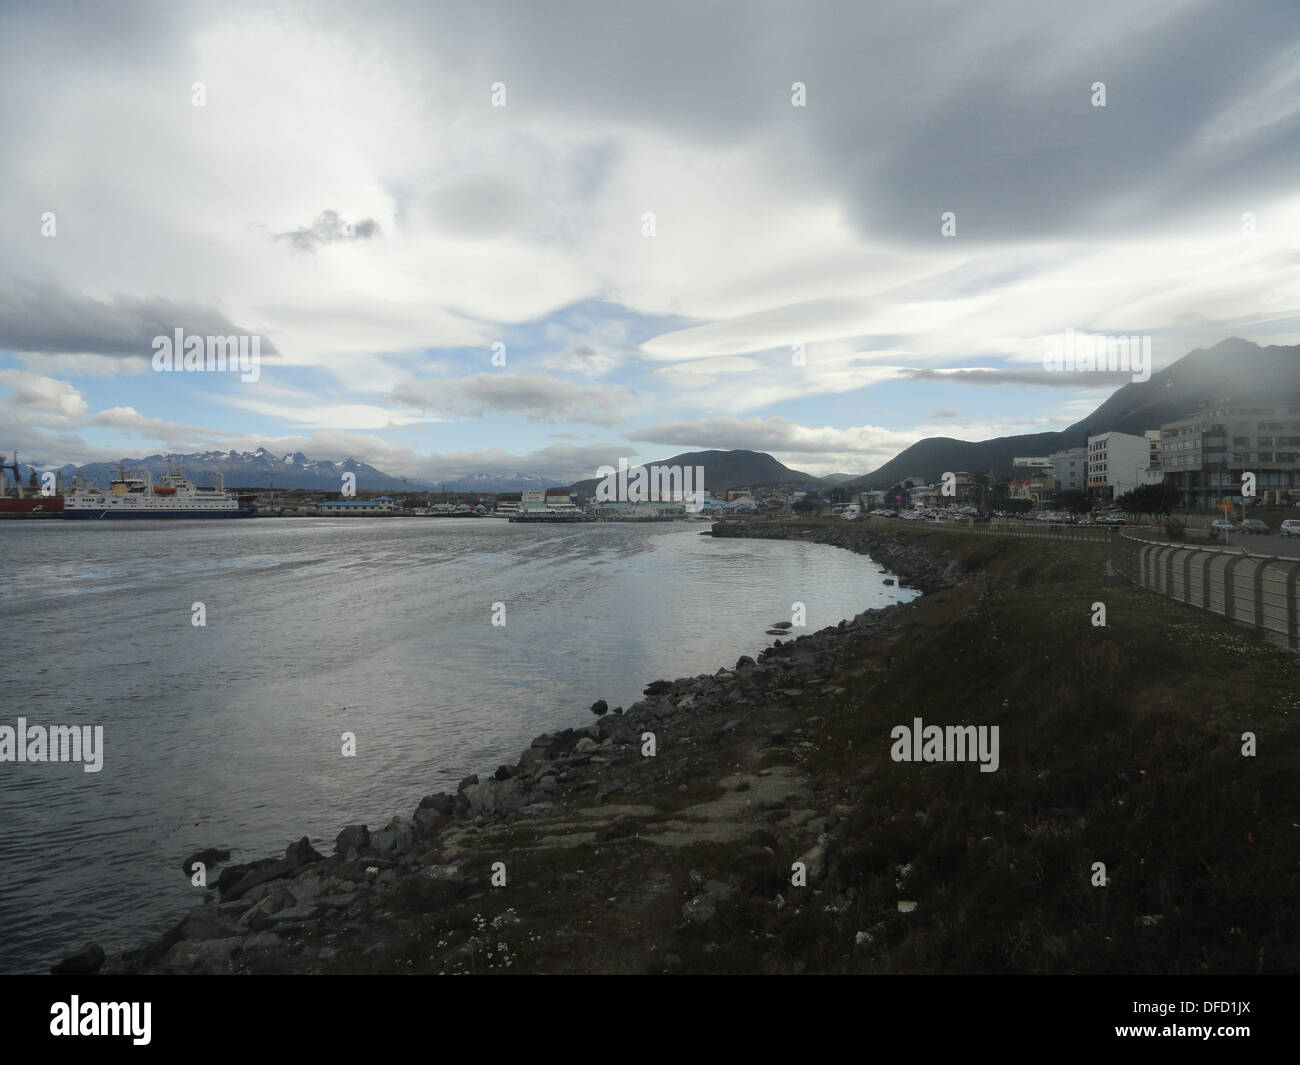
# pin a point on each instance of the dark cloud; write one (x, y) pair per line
(329, 228)
(537, 397)
(1073, 379)
(43, 317)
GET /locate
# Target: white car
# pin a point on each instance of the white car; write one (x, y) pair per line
(1222, 525)
(1290, 527)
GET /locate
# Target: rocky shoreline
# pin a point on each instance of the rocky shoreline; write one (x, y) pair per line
(705, 761)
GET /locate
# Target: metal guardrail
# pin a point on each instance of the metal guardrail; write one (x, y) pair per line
(1260, 591)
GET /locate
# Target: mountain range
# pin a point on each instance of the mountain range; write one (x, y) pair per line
(1234, 370)
(723, 470)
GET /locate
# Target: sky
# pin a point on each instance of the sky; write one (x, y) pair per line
(537, 237)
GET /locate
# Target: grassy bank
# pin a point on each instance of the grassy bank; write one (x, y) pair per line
(1119, 744)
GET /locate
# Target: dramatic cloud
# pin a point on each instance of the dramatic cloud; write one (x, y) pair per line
(329, 227)
(991, 377)
(38, 316)
(42, 397)
(626, 198)
(536, 397)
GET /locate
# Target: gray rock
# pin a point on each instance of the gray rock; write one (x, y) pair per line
(440, 801)
(533, 756)
(83, 962)
(189, 954)
(430, 820)
(495, 797)
(260, 916)
(585, 745)
(206, 923)
(815, 861)
(296, 856)
(210, 857)
(701, 909)
(352, 837)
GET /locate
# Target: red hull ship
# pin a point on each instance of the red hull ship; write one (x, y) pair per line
(19, 500)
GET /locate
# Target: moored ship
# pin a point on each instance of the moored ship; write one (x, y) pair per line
(26, 501)
(136, 496)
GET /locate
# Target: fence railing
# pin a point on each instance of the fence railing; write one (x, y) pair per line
(1256, 590)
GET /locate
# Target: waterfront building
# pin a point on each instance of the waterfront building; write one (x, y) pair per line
(356, 507)
(1206, 453)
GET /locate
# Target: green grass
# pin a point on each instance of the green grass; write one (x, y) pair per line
(1119, 745)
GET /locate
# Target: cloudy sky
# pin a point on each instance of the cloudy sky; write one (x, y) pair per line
(666, 244)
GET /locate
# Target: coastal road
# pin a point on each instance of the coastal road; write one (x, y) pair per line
(1272, 544)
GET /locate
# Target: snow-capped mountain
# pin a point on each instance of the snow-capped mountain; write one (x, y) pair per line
(255, 469)
(265, 469)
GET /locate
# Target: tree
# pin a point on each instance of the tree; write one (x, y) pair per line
(1076, 500)
(1150, 499)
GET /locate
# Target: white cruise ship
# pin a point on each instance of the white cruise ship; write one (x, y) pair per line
(136, 496)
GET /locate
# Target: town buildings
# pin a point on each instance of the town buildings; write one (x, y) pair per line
(1116, 464)
(1206, 453)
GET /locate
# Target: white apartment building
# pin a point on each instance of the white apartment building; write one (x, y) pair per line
(1117, 463)
(1070, 469)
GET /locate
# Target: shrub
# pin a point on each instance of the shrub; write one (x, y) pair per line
(1174, 529)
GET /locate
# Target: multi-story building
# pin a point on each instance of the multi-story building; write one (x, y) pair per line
(1153, 473)
(1070, 469)
(1116, 462)
(1206, 453)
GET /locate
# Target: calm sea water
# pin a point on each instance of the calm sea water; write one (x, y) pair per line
(230, 734)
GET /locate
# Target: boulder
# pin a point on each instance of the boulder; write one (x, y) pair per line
(207, 923)
(533, 755)
(440, 801)
(701, 909)
(495, 797)
(352, 837)
(295, 857)
(600, 707)
(209, 857)
(430, 820)
(83, 962)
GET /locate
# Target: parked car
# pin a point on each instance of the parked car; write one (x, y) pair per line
(1290, 527)
(1222, 525)
(1255, 527)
